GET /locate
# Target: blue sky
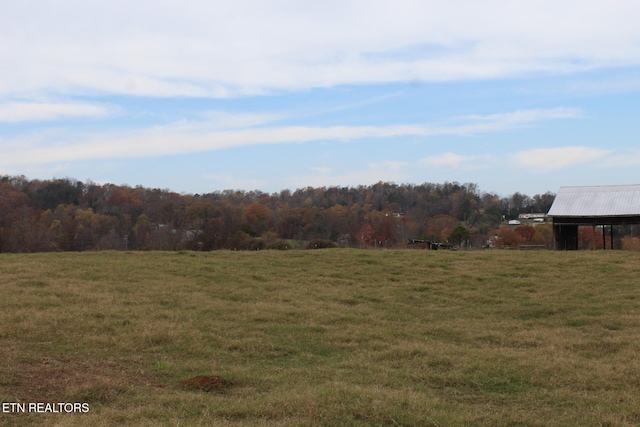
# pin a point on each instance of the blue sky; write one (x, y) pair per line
(200, 96)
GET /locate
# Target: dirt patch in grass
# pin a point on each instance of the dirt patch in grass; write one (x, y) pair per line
(72, 380)
(210, 383)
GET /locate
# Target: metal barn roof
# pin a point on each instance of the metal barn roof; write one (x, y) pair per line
(595, 201)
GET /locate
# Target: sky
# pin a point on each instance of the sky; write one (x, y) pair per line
(202, 96)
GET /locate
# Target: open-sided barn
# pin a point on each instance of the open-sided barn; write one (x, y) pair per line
(605, 205)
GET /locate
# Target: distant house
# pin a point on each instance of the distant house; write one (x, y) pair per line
(538, 217)
(606, 205)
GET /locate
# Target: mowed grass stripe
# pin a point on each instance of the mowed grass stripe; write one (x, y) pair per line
(326, 337)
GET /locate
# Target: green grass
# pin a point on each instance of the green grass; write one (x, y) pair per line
(327, 337)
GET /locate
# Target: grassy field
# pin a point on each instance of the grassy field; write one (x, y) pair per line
(326, 337)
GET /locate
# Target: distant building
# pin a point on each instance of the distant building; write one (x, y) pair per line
(606, 205)
(533, 216)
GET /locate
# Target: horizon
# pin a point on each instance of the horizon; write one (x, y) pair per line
(477, 191)
(204, 96)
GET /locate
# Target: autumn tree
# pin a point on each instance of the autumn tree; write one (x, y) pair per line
(383, 227)
(123, 200)
(197, 214)
(142, 230)
(527, 232)
(543, 235)
(542, 202)
(54, 193)
(12, 208)
(440, 227)
(91, 228)
(63, 228)
(630, 243)
(29, 231)
(333, 222)
(365, 236)
(213, 233)
(295, 223)
(590, 238)
(491, 214)
(256, 219)
(459, 235)
(508, 238)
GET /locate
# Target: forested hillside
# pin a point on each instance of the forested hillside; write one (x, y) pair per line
(69, 215)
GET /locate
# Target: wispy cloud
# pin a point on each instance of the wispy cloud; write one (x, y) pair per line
(551, 159)
(174, 49)
(374, 172)
(226, 120)
(34, 111)
(188, 137)
(321, 169)
(451, 160)
(622, 159)
(472, 124)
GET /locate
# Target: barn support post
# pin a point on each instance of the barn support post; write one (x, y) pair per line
(611, 236)
(566, 236)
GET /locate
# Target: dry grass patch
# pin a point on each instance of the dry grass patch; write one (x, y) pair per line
(327, 337)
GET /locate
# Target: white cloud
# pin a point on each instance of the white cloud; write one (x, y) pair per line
(527, 116)
(225, 120)
(451, 160)
(29, 111)
(474, 124)
(320, 169)
(621, 160)
(204, 48)
(386, 171)
(187, 137)
(551, 159)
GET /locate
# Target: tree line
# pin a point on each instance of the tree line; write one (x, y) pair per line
(70, 215)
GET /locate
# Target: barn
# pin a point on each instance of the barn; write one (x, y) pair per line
(605, 205)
